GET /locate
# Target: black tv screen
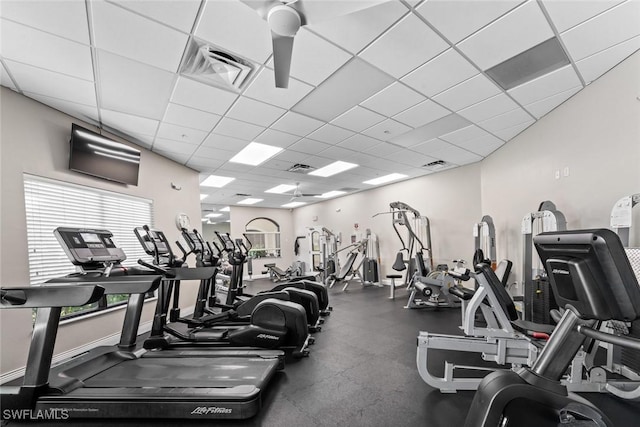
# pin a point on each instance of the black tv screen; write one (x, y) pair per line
(94, 154)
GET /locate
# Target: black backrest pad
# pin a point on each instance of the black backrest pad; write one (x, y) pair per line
(422, 268)
(498, 289)
(589, 270)
(503, 270)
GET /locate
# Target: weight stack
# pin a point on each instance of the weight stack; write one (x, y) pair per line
(540, 301)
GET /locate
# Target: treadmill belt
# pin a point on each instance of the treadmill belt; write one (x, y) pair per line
(193, 372)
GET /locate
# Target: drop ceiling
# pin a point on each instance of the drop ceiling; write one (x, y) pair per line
(373, 87)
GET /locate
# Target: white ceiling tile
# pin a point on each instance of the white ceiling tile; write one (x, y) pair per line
(291, 156)
(431, 147)
(317, 162)
(465, 134)
(558, 81)
(363, 159)
(33, 47)
(193, 94)
(237, 129)
(223, 142)
(356, 30)
(352, 84)
(406, 157)
(133, 87)
(144, 141)
(87, 113)
(596, 65)
(278, 164)
(616, 25)
(128, 123)
(421, 114)
(256, 112)
(176, 157)
(235, 27)
(203, 164)
(207, 152)
(314, 59)
(565, 14)
(358, 119)
(330, 134)
(309, 146)
(297, 124)
(393, 99)
(542, 107)
(457, 19)
(190, 117)
(335, 153)
(442, 72)
(458, 156)
(119, 31)
(277, 138)
(5, 79)
(506, 120)
(263, 89)
(359, 142)
(467, 93)
(482, 146)
(180, 133)
(386, 130)
(180, 15)
(517, 31)
(173, 146)
(508, 133)
(44, 82)
(407, 45)
(491, 107)
(63, 18)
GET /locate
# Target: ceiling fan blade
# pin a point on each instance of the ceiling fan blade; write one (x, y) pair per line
(313, 12)
(282, 50)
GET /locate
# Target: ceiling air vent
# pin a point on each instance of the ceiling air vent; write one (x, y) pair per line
(348, 189)
(212, 66)
(300, 168)
(242, 195)
(437, 165)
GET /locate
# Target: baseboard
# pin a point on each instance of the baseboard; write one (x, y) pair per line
(66, 355)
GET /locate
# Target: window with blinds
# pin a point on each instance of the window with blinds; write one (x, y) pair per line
(50, 204)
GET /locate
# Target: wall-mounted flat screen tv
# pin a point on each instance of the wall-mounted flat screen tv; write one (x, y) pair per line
(94, 154)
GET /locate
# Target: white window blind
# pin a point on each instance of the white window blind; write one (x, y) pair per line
(50, 204)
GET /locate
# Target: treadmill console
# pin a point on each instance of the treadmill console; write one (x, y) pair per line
(194, 242)
(86, 246)
(226, 241)
(154, 242)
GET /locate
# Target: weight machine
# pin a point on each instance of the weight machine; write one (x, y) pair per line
(538, 298)
(323, 251)
(484, 235)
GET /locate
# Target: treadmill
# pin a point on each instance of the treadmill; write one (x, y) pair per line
(119, 382)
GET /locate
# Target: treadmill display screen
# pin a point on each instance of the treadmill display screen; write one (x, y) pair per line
(90, 238)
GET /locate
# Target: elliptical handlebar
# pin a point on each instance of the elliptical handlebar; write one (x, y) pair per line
(163, 271)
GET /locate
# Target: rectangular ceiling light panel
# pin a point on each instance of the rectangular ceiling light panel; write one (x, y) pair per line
(280, 189)
(293, 204)
(385, 179)
(330, 194)
(255, 154)
(249, 201)
(203, 196)
(225, 209)
(216, 181)
(333, 169)
(530, 64)
(213, 215)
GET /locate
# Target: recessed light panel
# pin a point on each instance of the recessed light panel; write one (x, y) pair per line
(249, 201)
(203, 196)
(216, 181)
(225, 209)
(331, 194)
(255, 154)
(530, 64)
(385, 179)
(333, 168)
(213, 215)
(293, 204)
(282, 188)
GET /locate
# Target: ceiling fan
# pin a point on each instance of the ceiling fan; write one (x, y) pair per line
(297, 193)
(286, 17)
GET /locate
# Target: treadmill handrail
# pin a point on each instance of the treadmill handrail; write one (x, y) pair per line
(60, 295)
(113, 284)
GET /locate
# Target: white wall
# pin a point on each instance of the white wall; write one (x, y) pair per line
(35, 140)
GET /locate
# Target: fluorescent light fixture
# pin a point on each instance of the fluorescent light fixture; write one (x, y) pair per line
(211, 223)
(205, 219)
(282, 188)
(225, 209)
(255, 153)
(203, 196)
(213, 215)
(333, 168)
(331, 194)
(385, 179)
(228, 220)
(249, 201)
(216, 181)
(293, 204)
(112, 156)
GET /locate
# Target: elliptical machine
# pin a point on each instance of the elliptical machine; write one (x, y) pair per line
(593, 280)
